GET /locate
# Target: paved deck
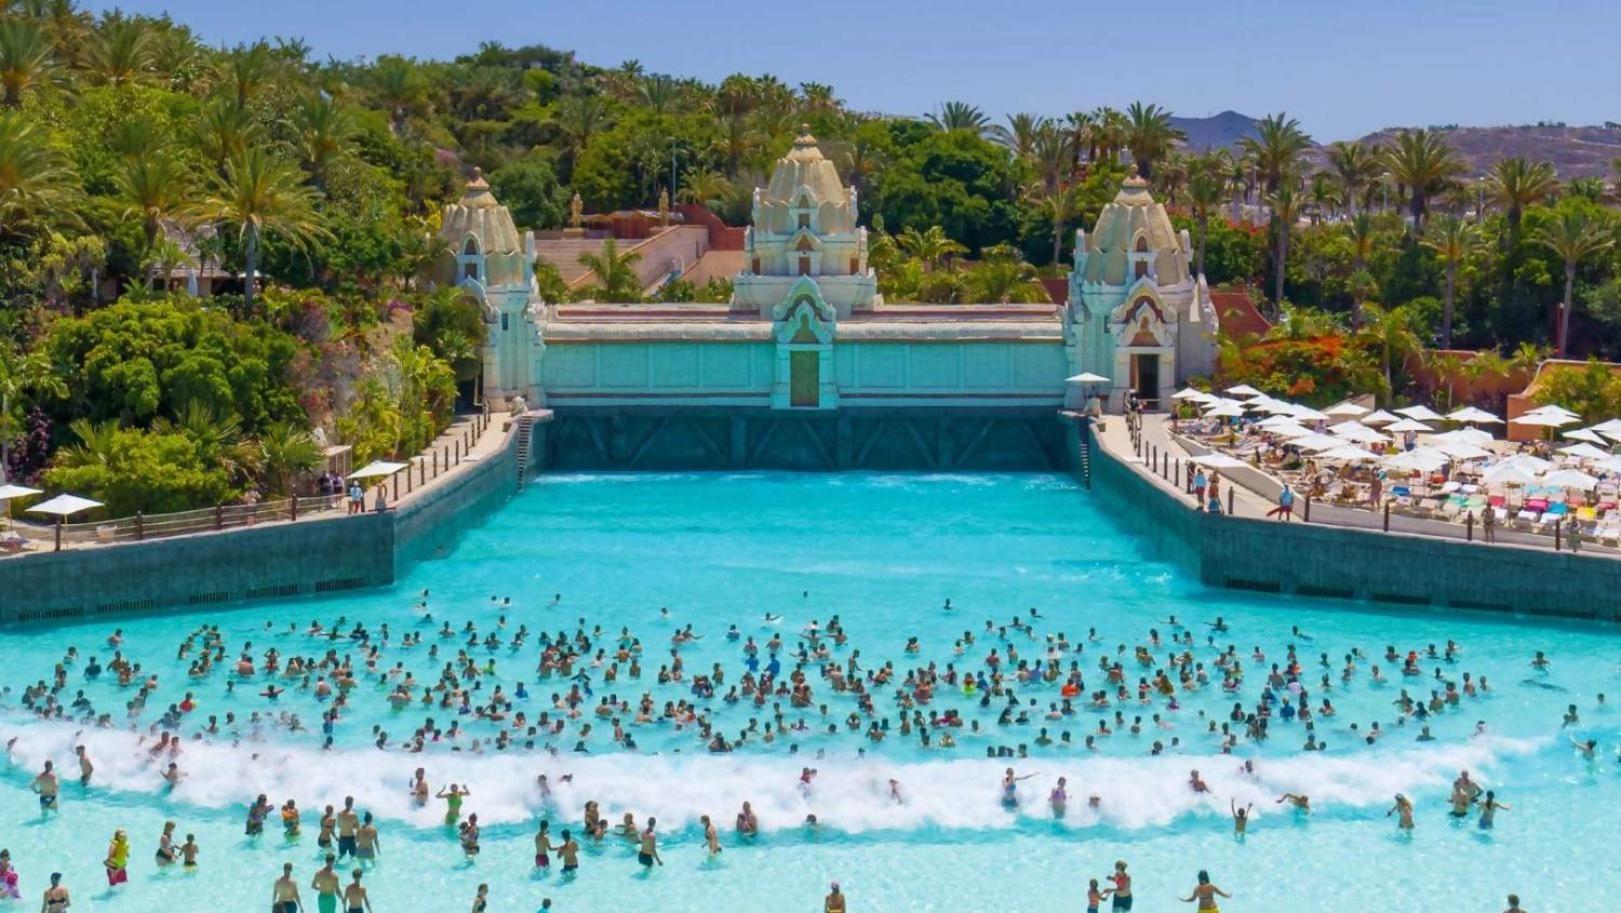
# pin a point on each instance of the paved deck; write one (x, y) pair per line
(1250, 503)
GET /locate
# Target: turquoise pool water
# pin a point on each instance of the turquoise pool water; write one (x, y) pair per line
(882, 553)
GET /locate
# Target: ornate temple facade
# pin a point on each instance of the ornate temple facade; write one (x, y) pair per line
(806, 333)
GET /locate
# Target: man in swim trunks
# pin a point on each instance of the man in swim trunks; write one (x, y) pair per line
(46, 785)
(348, 825)
(85, 767)
(366, 843)
(284, 895)
(569, 852)
(649, 852)
(355, 898)
(326, 886)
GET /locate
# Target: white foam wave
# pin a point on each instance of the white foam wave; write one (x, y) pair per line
(849, 794)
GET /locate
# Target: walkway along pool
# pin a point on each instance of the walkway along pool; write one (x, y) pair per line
(882, 552)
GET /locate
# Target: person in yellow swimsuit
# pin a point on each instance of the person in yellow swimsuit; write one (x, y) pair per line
(1204, 893)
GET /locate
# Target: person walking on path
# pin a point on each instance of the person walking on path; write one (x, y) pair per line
(1286, 504)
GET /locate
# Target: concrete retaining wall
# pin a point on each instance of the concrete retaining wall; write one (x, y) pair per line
(1339, 563)
(275, 561)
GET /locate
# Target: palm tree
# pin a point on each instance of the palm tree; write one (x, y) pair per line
(1276, 148)
(1422, 162)
(1391, 332)
(399, 88)
(1078, 124)
(930, 247)
(261, 197)
(1285, 204)
(1355, 167)
(25, 57)
(817, 98)
(1590, 189)
(155, 188)
(1052, 155)
(36, 182)
(580, 117)
(286, 451)
(1453, 240)
(249, 69)
(1019, 136)
(1004, 278)
(1149, 135)
(324, 130)
(1573, 237)
(1360, 232)
(1447, 368)
(616, 275)
(960, 115)
(218, 435)
(123, 51)
(1058, 206)
(224, 130)
(1515, 183)
(1206, 190)
(659, 94)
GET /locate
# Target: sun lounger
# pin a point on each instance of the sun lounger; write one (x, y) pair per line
(1527, 518)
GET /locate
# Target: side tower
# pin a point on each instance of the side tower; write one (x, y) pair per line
(1136, 314)
(489, 259)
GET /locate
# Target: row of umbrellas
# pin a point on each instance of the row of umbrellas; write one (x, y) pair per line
(1361, 426)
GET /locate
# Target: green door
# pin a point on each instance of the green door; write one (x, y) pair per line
(804, 379)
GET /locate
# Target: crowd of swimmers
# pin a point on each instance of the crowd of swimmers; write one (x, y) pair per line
(930, 704)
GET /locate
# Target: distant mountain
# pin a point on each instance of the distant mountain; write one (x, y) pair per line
(1576, 152)
(1219, 131)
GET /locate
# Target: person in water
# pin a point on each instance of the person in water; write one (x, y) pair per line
(835, 900)
(117, 861)
(284, 893)
(649, 849)
(326, 886)
(1205, 893)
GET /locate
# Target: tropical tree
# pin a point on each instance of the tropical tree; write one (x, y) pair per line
(1453, 241)
(960, 115)
(155, 188)
(1424, 164)
(580, 117)
(1515, 183)
(1019, 136)
(929, 246)
(1276, 148)
(324, 131)
(36, 183)
(25, 57)
(1149, 135)
(1573, 236)
(1390, 331)
(1447, 368)
(1285, 203)
(1355, 168)
(286, 451)
(615, 273)
(1359, 231)
(123, 52)
(1058, 207)
(1206, 191)
(260, 197)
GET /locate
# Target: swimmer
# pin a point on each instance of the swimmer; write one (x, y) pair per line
(284, 893)
(47, 787)
(326, 886)
(649, 850)
(1241, 817)
(1403, 809)
(1301, 803)
(1204, 893)
(1058, 798)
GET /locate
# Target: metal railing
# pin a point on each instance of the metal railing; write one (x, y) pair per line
(443, 455)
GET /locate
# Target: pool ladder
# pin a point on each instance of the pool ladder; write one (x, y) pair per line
(526, 428)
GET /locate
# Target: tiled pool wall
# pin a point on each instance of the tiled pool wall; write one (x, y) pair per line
(1334, 562)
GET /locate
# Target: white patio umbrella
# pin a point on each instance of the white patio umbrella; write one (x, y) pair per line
(1349, 453)
(1460, 450)
(1613, 464)
(1531, 464)
(1359, 434)
(7, 492)
(1553, 409)
(1585, 451)
(1471, 414)
(376, 469)
(1308, 414)
(1351, 409)
(1244, 390)
(1186, 393)
(1291, 431)
(1508, 474)
(1316, 442)
(1274, 407)
(1217, 461)
(1570, 478)
(1087, 377)
(1545, 419)
(1585, 434)
(1610, 428)
(61, 507)
(1421, 459)
(1378, 417)
(1464, 436)
(1276, 421)
(1407, 424)
(1226, 410)
(1420, 413)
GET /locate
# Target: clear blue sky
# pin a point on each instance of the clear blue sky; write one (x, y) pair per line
(1343, 68)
